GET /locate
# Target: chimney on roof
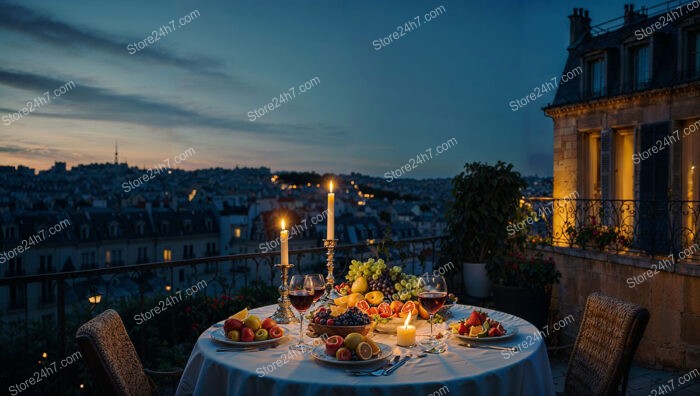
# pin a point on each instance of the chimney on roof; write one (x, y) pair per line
(580, 25)
(632, 16)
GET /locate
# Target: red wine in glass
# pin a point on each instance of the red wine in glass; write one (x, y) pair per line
(432, 301)
(301, 299)
(318, 292)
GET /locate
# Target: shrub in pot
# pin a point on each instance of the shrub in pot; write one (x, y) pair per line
(522, 285)
(485, 199)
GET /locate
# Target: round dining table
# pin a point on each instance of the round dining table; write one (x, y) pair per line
(461, 370)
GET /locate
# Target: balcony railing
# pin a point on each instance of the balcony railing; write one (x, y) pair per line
(649, 227)
(412, 254)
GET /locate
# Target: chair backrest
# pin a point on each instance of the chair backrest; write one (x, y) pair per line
(607, 340)
(111, 356)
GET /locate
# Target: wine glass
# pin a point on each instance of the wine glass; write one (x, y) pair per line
(319, 283)
(301, 295)
(432, 293)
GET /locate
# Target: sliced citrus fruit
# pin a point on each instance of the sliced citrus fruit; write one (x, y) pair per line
(354, 298)
(341, 301)
(364, 351)
(475, 331)
(240, 315)
(375, 348)
(384, 308)
(373, 311)
(362, 305)
(409, 306)
(337, 311)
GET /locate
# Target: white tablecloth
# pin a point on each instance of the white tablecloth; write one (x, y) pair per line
(463, 371)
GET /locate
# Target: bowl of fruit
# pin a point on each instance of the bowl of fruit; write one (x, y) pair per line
(249, 332)
(331, 321)
(354, 348)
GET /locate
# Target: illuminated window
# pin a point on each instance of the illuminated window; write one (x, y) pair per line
(167, 255)
(237, 232)
(108, 257)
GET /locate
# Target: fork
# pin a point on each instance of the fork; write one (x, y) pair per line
(511, 349)
(375, 372)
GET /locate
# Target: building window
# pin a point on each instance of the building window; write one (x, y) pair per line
(113, 229)
(143, 254)
(639, 63)
(9, 232)
(167, 255)
(596, 77)
(590, 186)
(87, 260)
(694, 54)
(140, 227)
(209, 224)
(84, 231)
(237, 232)
(187, 251)
(18, 296)
(188, 225)
(164, 227)
(108, 258)
(181, 275)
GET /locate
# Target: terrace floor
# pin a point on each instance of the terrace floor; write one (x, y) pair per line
(641, 382)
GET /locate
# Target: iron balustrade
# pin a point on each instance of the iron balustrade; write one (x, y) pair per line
(402, 252)
(649, 227)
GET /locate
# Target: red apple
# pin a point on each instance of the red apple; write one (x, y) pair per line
(267, 323)
(275, 332)
(232, 324)
(247, 334)
(343, 354)
(332, 344)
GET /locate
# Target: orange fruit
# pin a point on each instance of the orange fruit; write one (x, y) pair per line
(375, 347)
(373, 311)
(409, 306)
(396, 306)
(384, 308)
(475, 331)
(363, 306)
(423, 313)
(363, 351)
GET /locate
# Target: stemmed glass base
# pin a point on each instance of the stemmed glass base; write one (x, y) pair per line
(432, 345)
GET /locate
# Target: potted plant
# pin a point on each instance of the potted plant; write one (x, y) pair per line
(485, 198)
(522, 285)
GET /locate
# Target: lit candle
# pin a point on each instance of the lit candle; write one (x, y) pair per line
(330, 234)
(406, 334)
(284, 240)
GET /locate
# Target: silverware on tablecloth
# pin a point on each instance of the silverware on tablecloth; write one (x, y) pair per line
(500, 348)
(376, 372)
(241, 349)
(397, 365)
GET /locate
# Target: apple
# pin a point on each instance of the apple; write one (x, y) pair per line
(333, 343)
(253, 322)
(268, 323)
(234, 335)
(232, 324)
(261, 335)
(343, 354)
(247, 334)
(275, 332)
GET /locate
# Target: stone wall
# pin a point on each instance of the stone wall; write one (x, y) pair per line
(672, 337)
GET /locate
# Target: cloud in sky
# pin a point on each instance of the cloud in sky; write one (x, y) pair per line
(62, 34)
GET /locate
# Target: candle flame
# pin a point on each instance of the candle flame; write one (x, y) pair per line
(331, 186)
(283, 228)
(408, 319)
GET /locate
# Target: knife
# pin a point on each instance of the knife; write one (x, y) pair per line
(397, 365)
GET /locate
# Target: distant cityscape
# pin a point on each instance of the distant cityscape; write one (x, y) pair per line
(176, 214)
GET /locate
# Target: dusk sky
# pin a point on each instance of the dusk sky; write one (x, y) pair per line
(372, 111)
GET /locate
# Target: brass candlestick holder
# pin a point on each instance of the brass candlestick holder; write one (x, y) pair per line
(330, 293)
(284, 314)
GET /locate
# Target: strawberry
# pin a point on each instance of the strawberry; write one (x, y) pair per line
(482, 316)
(463, 329)
(474, 319)
(493, 332)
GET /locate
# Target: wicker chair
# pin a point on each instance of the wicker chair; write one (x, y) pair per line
(610, 333)
(112, 358)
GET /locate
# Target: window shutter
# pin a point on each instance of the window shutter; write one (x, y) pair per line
(606, 171)
(654, 182)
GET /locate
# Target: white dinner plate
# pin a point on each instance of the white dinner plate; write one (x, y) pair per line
(510, 332)
(319, 353)
(219, 336)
